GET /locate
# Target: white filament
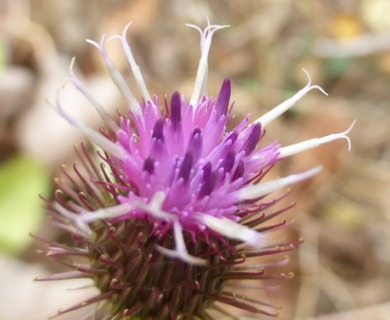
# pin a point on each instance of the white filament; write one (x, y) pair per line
(99, 108)
(206, 36)
(313, 143)
(265, 188)
(93, 135)
(180, 250)
(107, 213)
(154, 207)
(133, 65)
(75, 217)
(116, 76)
(232, 230)
(83, 218)
(284, 106)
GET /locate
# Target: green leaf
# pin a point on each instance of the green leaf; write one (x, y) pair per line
(21, 180)
(335, 67)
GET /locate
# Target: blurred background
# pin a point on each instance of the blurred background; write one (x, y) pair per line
(343, 268)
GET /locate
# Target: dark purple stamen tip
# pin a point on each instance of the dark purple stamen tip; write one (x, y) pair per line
(209, 180)
(253, 138)
(186, 166)
(196, 131)
(223, 98)
(158, 132)
(176, 109)
(149, 165)
(207, 169)
(232, 137)
(239, 170)
(195, 143)
(228, 162)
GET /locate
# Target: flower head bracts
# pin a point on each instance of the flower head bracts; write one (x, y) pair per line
(185, 169)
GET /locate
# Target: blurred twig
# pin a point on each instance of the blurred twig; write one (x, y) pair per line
(362, 45)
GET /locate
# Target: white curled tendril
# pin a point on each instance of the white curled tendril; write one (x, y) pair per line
(206, 35)
(262, 189)
(233, 230)
(313, 143)
(284, 106)
(98, 107)
(133, 65)
(180, 250)
(118, 79)
(93, 135)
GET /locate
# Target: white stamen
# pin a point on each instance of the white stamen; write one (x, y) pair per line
(262, 189)
(154, 207)
(134, 66)
(93, 135)
(79, 223)
(107, 213)
(313, 143)
(206, 36)
(116, 76)
(180, 250)
(284, 106)
(99, 108)
(233, 230)
(83, 218)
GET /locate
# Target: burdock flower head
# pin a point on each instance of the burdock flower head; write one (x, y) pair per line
(167, 215)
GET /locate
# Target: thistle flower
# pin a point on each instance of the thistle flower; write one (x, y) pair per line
(170, 212)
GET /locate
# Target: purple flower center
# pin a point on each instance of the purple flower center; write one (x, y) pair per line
(191, 158)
